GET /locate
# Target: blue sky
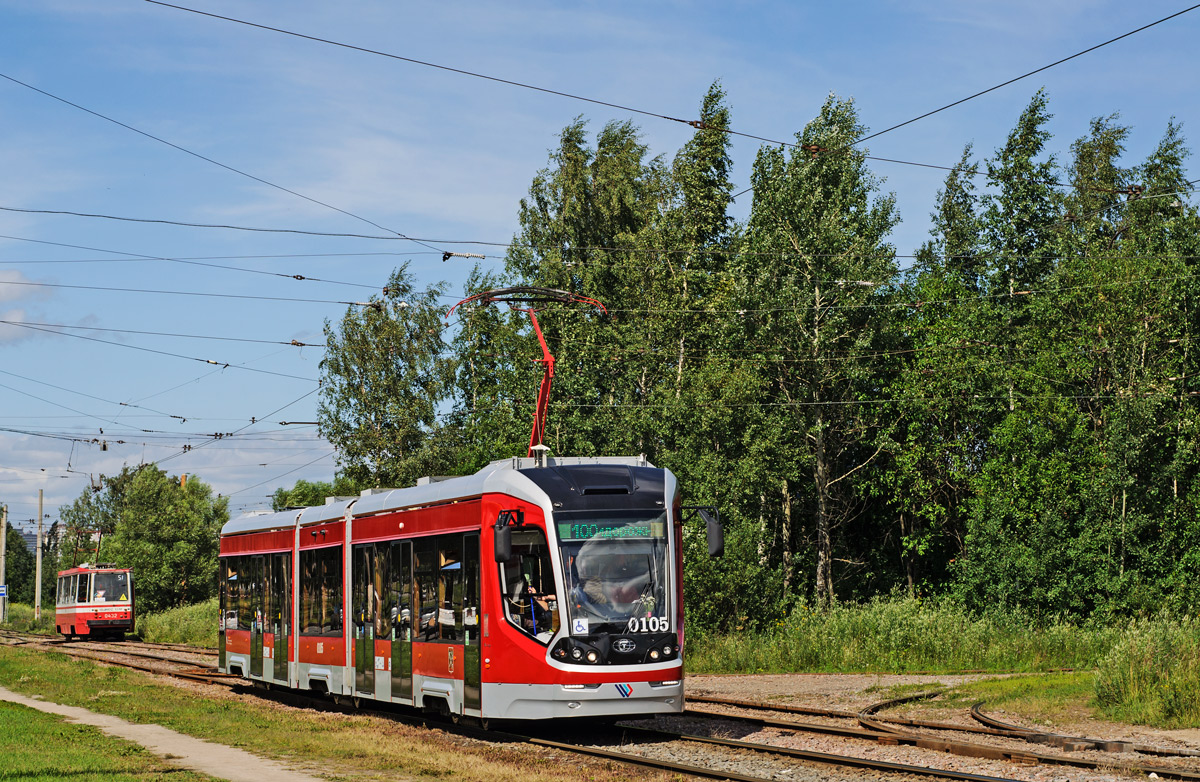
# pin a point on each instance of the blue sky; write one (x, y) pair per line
(422, 152)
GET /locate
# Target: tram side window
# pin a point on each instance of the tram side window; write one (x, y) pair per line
(231, 592)
(81, 594)
(251, 587)
(227, 612)
(439, 581)
(381, 586)
(527, 583)
(321, 591)
(402, 590)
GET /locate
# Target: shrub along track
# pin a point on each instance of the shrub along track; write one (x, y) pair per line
(696, 736)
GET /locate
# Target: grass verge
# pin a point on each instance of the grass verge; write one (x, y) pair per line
(350, 746)
(1152, 674)
(20, 618)
(902, 635)
(195, 624)
(37, 746)
(1047, 699)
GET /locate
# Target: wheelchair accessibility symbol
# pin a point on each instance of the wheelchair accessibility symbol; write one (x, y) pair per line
(579, 625)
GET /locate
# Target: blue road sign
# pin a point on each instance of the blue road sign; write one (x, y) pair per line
(3, 590)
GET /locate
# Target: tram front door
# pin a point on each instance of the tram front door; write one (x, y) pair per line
(254, 582)
(401, 600)
(280, 602)
(365, 607)
(472, 668)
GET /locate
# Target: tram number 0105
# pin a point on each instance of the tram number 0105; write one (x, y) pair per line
(647, 624)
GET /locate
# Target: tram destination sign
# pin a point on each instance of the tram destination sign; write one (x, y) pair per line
(611, 529)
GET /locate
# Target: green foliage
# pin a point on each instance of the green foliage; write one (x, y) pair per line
(20, 564)
(1012, 421)
(166, 532)
(191, 624)
(305, 494)
(814, 258)
(1032, 545)
(382, 378)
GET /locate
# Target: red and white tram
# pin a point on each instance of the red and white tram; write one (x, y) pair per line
(94, 601)
(533, 589)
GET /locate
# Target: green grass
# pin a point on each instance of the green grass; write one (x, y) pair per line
(37, 746)
(20, 617)
(901, 635)
(195, 624)
(1152, 675)
(1045, 698)
(356, 744)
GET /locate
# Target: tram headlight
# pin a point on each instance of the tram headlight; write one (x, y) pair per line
(654, 654)
(592, 656)
(667, 650)
(577, 653)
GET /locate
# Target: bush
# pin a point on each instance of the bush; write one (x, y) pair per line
(901, 634)
(1152, 674)
(195, 624)
(20, 618)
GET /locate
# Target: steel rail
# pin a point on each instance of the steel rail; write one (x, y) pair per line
(878, 731)
(826, 758)
(1077, 742)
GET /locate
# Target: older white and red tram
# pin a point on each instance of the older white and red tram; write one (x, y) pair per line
(533, 589)
(95, 601)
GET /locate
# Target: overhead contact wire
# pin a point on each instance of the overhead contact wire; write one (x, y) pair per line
(210, 160)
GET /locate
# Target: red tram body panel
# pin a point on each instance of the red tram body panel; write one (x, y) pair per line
(94, 601)
(533, 589)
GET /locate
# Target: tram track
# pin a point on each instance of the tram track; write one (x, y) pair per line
(656, 743)
(1008, 741)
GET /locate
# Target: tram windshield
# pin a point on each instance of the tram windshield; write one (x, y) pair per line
(110, 587)
(615, 567)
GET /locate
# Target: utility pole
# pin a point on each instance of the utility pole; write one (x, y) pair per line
(3, 556)
(3, 541)
(37, 578)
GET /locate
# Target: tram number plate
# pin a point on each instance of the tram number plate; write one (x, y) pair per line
(647, 624)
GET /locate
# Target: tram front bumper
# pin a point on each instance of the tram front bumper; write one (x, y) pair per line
(553, 701)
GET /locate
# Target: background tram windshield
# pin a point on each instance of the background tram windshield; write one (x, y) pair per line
(616, 572)
(107, 587)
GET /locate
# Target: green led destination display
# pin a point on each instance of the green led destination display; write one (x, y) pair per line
(615, 529)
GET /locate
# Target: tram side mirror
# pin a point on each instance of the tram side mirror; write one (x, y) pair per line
(505, 521)
(716, 535)
(503, 543)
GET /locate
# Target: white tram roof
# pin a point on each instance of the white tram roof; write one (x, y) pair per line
(499, 476)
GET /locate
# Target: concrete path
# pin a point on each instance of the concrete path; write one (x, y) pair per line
(216, 760)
